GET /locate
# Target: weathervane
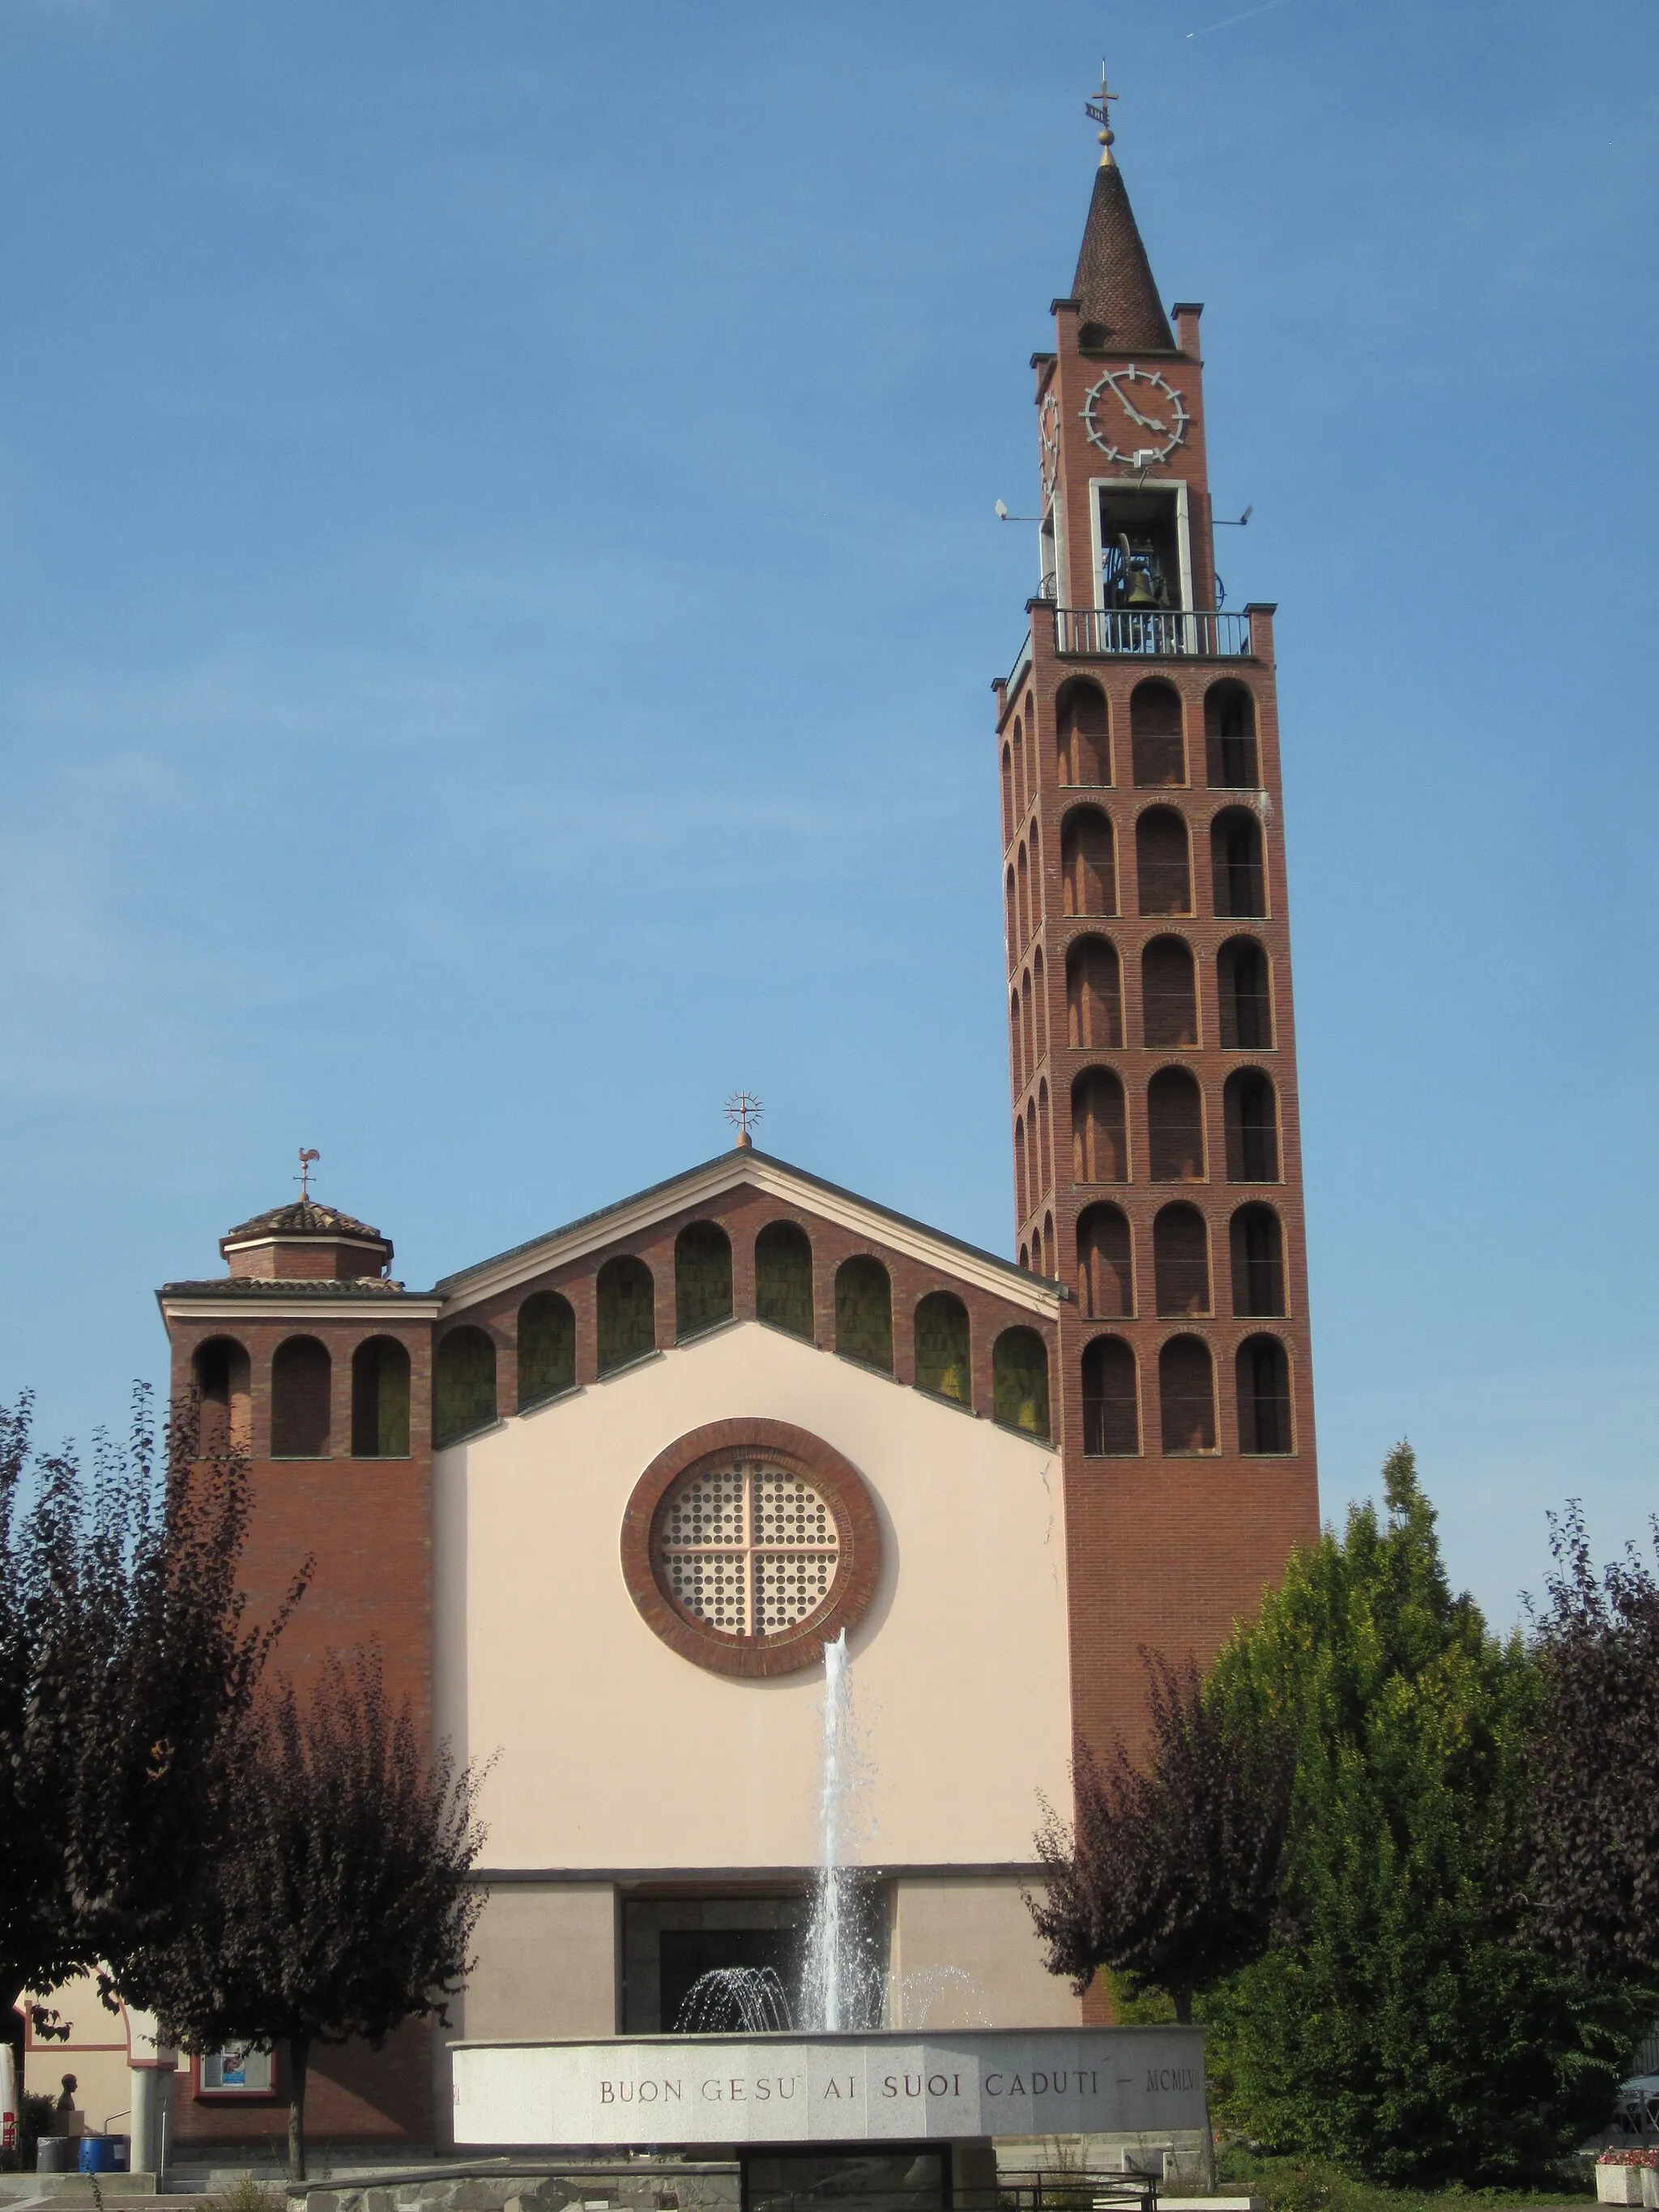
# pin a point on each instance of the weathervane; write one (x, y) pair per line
(1101, 114)
(741, 1108)
(308, 1159)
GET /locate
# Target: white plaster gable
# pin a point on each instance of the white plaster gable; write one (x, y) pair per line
(615, 1753)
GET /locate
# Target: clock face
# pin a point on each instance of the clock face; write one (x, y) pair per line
(1049, 433)
(1135, 416)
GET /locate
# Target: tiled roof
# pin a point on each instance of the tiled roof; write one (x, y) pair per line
(304, 1217)
(1114, 281)
(267, 1286)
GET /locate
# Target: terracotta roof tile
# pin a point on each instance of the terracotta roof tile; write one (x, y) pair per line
(305, 1217)
(1114, 281)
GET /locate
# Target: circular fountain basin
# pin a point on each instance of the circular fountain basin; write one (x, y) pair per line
(893, 2086)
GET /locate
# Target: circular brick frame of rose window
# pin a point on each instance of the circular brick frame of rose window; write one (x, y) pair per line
(837, 1481)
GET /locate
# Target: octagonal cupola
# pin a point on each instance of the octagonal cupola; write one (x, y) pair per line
(306, 1241)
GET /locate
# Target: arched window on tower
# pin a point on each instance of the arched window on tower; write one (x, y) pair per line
(1049, 1268)
(1099, 1153)
(1186, 1390)
(463, 1384)
(702, 1279)
(1044, 1152)
(1032, 782)
(1007, 797)
(1169, 993)
(1250, 1111)
(223, 1377)
(547, 1348)
(379, 1399)
(783, 1277)
(864, 1312)
(1027, 1028)
(1019, 1377)
(301, 1379)
(1016, 1057)
(1024, 1195)
(1163, 863)
(1237, 877)
(1105, 1276)
(1243, 988)
(1022, 867)
(1264, 1396)
(1039, 1008)
(1155, 744)
(1229, 737)
(1258, 1263)
(627, 1319)
(1174, 1128)
(1084, 750)
(942, 1347)
(1180, 1261)
(1088, 863)
(1094, 995)
(1111, 1402)
(1013, 923)
(1020, 770)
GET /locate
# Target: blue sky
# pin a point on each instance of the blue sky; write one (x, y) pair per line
(498, 591)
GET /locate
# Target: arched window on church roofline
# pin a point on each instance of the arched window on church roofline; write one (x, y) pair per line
(942, 1335)
(702, 1279)
(783, 1277)
(547, 1348)
(1019, 1371)
(627, 1312)
(864, 1312)
(463, 1384)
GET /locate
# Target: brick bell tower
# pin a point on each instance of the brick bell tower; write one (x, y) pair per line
(1158, 1167)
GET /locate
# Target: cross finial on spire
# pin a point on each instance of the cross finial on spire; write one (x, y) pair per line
(308, 1159)
(741, 1108)
(1099, 109)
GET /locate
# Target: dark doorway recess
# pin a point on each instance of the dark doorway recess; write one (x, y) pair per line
(686, 1954)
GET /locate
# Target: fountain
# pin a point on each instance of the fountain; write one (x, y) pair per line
(741, 2070)
(842, 1988)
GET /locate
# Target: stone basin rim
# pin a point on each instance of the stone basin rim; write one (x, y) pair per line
(814, 2035)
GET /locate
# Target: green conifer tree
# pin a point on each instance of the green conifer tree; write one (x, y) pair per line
(1401, 2024)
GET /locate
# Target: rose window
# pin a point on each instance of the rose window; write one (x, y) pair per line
(747, 1549)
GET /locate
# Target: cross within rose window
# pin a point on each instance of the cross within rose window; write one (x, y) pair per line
(747, 1549)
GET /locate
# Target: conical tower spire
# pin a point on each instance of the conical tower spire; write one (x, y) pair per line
(1118, 306)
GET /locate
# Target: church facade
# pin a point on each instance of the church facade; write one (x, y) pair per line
(602, 1499)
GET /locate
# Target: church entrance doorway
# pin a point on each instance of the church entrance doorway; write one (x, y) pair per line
(668, 1943)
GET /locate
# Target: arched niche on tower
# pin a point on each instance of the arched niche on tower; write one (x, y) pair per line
(1082, 733)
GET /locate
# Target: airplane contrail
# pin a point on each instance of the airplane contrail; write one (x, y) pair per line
(1227, 21)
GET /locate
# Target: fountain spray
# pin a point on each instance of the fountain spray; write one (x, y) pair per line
(829, 1968)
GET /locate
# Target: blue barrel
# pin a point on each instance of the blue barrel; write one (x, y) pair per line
(104, 2153)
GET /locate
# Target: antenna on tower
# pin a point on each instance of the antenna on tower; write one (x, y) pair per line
(308, 1159)
(741, 1108)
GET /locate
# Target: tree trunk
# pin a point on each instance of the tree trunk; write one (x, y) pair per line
(299, 2052)
(1183, 2005)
